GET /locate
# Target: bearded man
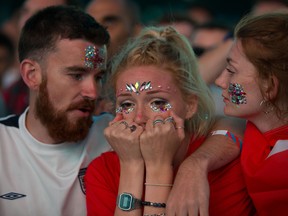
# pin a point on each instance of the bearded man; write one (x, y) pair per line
(45, 151)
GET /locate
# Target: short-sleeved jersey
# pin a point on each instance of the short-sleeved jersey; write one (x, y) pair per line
(40, 179)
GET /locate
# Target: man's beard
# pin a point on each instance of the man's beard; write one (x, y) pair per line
(59, 127)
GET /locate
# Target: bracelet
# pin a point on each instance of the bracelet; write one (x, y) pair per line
(153, 204)
(160, 214)
(234, 138)
(160, 185)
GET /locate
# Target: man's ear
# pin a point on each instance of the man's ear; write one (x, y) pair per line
(191, 106)
(31, 73)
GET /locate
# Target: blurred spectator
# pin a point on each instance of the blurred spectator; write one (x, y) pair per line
(181, 22)
(209, 35)
(10, 28)
(121, 17)
(200, 12)
(210, 44)
(7, 51)
(264, 6)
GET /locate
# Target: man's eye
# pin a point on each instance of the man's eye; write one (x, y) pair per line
(77, 77)
(160, 106)
(126, 108)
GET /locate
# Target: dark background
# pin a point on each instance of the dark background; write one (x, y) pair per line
(228, 10)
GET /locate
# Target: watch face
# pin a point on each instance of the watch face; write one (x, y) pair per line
(125, 202)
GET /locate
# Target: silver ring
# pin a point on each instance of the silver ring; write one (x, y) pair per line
(179, 127)
(169, 119)
(157, 121)
(125, 123)
(133, 128)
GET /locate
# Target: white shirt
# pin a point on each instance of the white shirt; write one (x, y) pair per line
(40, 179)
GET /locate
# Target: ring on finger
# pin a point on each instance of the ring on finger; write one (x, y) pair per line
(157, 121)
(125, 123)
(169, 119)
(132, 128)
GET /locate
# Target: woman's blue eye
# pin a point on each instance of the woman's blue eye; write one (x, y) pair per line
(160, 106)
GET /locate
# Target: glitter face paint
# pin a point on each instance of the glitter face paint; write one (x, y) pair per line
(137, 87)
(237, 94)
(95, 57)
(156, 106)
(120, 109)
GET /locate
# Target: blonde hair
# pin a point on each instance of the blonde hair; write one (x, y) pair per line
(164, 47)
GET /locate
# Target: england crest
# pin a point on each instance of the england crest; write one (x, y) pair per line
(81, 175)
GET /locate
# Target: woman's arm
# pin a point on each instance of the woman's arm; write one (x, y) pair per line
(190, 193)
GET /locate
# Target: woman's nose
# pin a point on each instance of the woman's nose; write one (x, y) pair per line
(222, 81)
(140, 115)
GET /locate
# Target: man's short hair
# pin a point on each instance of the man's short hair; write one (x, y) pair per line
(41, 31)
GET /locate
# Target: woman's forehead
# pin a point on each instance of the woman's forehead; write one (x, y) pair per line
(155, 75)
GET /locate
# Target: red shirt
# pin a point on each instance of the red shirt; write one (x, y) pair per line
(228, 194)
(265, 171)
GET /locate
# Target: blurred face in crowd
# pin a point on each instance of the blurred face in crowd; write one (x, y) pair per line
(69, 88)
(269, 6)
(30, 7)
(114, 15)
(205, 39)
(156, 95)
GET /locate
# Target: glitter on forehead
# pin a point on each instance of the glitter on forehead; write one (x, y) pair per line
(137, 87)
(94, 57)
(238, 96)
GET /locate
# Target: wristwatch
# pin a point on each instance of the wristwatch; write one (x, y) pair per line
(127, 202)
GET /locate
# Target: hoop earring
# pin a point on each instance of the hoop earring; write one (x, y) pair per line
(268, 106)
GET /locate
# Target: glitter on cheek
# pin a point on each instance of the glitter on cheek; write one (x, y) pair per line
(164, 108)
(238, 96)
(125, 111)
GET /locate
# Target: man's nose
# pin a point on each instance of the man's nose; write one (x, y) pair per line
(90, 89)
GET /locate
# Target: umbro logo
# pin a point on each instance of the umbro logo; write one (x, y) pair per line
(12, 196)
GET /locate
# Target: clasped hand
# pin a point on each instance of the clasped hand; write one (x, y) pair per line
(155, 142)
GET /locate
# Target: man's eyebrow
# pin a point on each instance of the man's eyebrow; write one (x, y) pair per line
(77, 69)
